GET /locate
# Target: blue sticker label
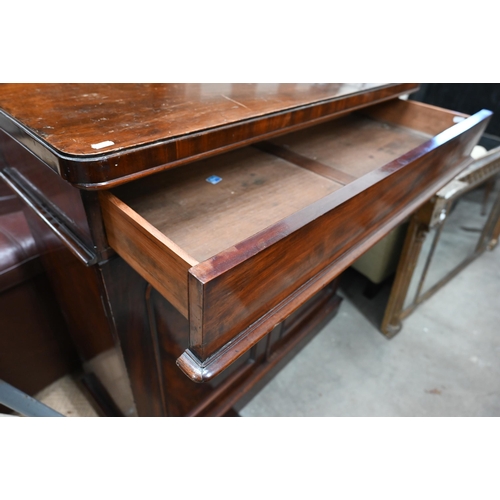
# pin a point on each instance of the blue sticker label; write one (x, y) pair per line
(214, 179)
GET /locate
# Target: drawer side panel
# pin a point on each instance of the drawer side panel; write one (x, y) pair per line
(150, 253)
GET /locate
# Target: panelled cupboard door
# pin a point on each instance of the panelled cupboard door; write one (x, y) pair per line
(238, 241)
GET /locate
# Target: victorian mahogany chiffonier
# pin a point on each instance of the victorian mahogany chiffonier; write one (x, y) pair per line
(198, 229)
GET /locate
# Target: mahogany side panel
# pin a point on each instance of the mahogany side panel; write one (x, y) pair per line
(240, 286)
(126, 293)
(77, 290)
(152, 335)
(93, 210)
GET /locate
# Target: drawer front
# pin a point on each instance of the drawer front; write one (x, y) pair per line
(237, 296)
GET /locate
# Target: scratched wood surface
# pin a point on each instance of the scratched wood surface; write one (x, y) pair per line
(256, 190)
(74, 118)
(353, 144)
(98, 135)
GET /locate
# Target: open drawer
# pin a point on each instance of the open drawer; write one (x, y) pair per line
(236, 256)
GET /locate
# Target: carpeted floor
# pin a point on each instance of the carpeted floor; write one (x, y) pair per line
(66, 397)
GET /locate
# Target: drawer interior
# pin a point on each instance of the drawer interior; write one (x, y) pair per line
(353, 145)
(256, 190)
(265, 183)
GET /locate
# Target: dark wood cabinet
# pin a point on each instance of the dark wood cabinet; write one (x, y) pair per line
(199, 229)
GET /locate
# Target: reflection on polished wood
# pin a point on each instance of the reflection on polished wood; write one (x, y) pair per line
(228, 280)
(76, 117)
(97, 135)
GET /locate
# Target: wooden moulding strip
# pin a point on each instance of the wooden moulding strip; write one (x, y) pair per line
(148, 251)
(243, 292)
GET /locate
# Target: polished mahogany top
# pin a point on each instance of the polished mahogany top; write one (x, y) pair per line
(97, 135)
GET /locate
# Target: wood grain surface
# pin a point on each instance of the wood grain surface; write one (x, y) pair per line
(415, 115)
(96, 135)
(154, 256)
(255, 191)
(353, 145)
